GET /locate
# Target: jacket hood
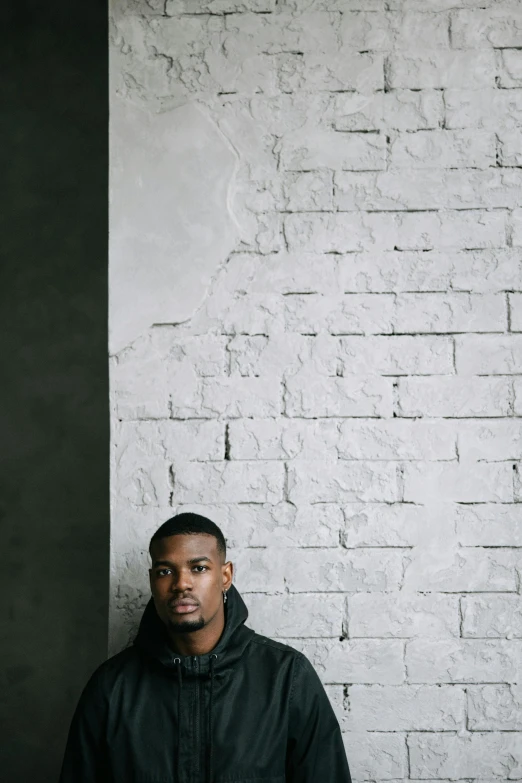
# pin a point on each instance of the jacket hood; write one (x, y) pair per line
(259, 714)
(152, 637)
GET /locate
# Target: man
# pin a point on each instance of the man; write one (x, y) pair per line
(199, 697)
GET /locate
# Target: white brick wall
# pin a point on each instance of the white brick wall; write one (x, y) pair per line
(344, 402)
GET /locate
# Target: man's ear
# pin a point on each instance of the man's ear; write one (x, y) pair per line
(228, 573)
(150, 579)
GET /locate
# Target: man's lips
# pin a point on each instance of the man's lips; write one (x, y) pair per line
(183, 606)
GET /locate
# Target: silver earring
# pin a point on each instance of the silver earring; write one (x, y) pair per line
(224, 596)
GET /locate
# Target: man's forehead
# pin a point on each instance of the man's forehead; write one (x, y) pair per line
(179, 543)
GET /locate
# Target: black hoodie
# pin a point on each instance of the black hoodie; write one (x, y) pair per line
(253, 710)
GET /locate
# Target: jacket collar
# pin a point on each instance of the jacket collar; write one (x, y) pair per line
(152, 636)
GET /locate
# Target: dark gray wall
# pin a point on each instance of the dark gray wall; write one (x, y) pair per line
(54, 472)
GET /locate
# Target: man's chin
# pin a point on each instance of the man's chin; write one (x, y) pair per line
(186, 626)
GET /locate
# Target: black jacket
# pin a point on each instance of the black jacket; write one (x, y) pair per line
(251, 711)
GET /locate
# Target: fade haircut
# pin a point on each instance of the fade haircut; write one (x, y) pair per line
(187, 524)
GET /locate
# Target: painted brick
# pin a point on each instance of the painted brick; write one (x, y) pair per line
(382, 524)
(380, 32)
(336, 233)
(357, 395)
(244, 314)
(464, 483)
(489, 524)
(349, 314)
(490, 441)
(420, 313)
(510, 68)
(479, 271)
(499, 27)
(205, 354)
(488, 354)
(332, 71)
(492, 616)
(515, 227)
(467, 660)
(495, 707)
(258, 570)
(337, 5)
(407, 110)
(280, 273)
(333, 150)
(260, 33)
(397, 355)
(402, 110)
(515, 312)
(428, 188)
(510, 147)
(237, 397)
(403, 615)
(454, 397)
(435, 5)
(483, 109)
(445, 149)
(284, 438)
(313, 482)
(462, 569)
(342, 570)
(475, 755)
(384, 313)
(258, 356)
(407, 707)
(459, 229)
(438, 69)
(517, 391)
(139, 383)
(412, 30)
(396, 440)
(376, 754)
(296, 615)
(308, 191)
(342, 233)
(366, 661)
(228, 482)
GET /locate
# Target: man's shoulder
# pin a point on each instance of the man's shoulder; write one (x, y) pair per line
(276, 649)
(107, 672)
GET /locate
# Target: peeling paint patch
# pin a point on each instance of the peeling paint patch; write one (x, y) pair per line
(171, 222)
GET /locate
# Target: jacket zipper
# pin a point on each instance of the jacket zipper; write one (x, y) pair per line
(197, 725)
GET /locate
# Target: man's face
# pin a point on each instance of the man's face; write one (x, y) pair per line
(187, 580)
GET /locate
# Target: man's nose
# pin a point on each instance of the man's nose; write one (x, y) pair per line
(182, 582)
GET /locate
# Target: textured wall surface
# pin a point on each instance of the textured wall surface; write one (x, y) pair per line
(345, 400)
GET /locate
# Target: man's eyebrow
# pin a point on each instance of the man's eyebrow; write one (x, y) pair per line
(190, 562)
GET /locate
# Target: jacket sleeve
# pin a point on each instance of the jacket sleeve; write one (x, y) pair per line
(85, 759)
(315, 750)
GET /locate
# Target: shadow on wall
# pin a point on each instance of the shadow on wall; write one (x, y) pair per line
(54, 478)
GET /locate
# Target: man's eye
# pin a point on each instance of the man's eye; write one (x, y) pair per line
(203, 567)
(162, 571)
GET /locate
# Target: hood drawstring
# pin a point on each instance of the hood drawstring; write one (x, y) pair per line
(213, 658)
(177, 661)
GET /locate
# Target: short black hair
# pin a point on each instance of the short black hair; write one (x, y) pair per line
(188, 523)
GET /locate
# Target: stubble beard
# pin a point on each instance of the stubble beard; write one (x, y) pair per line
(186, 626)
